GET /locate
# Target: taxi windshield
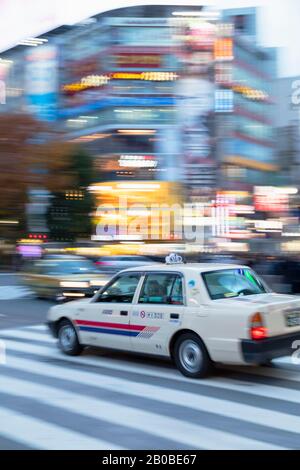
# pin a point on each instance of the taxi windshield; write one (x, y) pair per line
(59, 267)
(227, 283)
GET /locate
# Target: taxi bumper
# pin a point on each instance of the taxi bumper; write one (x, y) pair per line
(255, 352)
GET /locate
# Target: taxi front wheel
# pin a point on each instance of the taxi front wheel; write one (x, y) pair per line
(68, 339)
(191, 356)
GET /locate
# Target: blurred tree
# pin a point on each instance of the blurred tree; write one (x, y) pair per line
(17, 133)
(69, 213)
(32, 156)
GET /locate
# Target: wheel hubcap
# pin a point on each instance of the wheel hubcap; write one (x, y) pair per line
(67, 337)
(190, 355)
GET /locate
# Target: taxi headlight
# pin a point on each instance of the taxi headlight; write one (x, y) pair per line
(74, 284)
(97, 283)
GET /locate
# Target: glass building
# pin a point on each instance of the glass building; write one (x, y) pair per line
(247, 145)
(177, 96)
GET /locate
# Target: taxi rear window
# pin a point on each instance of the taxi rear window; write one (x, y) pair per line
(162, 288)
(228, 283)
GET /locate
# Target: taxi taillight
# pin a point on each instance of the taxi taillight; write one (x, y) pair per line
(257, 328)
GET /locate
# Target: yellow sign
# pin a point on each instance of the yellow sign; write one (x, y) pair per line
(250, 163)
(250, 93)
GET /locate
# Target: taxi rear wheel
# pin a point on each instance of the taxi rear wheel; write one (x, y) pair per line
(68, 339)
(191, 356)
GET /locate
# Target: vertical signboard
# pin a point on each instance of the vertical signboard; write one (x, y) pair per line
(3, 75)
(42, 82)
(195, 102)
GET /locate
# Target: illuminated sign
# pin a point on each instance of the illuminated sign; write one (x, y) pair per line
(223, 101)
(97, 81)
(42, 82)
(250, 93)
(223, 73)
(138, 161)
(250, 163)
(224, 29)
(137, 60)
(223, 49)
(270, 198)
(147, 76)
(91, 81)
(201, 36)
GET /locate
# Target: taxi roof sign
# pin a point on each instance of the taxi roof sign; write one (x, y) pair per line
(174, 258)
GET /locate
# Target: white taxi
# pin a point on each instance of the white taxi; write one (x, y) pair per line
(197, 314)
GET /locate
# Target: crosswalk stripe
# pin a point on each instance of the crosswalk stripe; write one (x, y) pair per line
(14, 292)
(26, 333)
(274, 419)
(217, 382)
(93, 361)
(36, 433)
(32, 328)
(40, 327)
(276, 372)
(45, 362)
(187, 434)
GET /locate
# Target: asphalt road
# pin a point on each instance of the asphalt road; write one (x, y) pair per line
(105, 400)
(18, 307)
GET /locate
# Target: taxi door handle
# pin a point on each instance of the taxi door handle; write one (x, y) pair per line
(124, 312)
(174, 315)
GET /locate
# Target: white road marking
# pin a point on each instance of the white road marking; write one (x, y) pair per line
(217, 382)
(188, 434)
(14, 292)
(39, 434)
(247, 413)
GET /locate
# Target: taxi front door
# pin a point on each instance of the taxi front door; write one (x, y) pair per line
(104, 321)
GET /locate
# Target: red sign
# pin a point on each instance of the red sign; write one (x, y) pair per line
(137, 60)
(271, 200)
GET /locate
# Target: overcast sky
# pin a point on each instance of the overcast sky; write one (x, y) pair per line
(278, 25)
(278, 21)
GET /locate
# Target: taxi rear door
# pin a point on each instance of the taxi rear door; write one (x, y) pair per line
(157, 312)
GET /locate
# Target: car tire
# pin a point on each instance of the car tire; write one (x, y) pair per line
(191, 357)
(68, 339)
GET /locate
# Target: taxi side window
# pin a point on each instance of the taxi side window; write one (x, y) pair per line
(159, 288)
(121, 290)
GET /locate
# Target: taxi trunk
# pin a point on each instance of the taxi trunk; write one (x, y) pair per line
(281, 313)
(274, 328)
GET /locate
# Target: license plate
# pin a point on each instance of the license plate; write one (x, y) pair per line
(292, 319)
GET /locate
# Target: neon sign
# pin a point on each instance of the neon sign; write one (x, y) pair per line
(97, 81)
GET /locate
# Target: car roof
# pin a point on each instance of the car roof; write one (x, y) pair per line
(199, 267)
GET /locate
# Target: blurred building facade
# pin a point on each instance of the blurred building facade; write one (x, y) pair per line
(287, 125)
(246, 144)
(173, 107)
(140, 68)
(146, 109)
